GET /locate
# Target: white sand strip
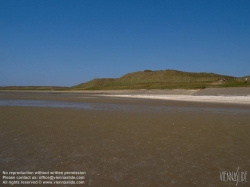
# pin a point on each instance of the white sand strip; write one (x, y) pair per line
(215, 99)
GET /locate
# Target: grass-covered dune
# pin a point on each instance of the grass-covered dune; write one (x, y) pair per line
(163, 79)
(96, 83)
(147, 79)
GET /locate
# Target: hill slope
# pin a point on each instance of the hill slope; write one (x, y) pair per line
(162, 79)
(172, 76)
(95, 83)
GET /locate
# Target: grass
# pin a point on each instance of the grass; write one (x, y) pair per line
(163, 79)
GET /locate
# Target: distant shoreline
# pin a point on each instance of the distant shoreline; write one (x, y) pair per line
(240, 91)
(212, 95)
(149, 80)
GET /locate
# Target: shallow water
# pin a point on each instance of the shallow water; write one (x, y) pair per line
(118, 107)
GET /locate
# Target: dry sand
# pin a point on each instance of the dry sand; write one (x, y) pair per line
(214, 99)
(150, 143)
(214, 95)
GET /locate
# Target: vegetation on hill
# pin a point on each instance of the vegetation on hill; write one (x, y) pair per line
(95, 83)
(148, 79)
(163, 79)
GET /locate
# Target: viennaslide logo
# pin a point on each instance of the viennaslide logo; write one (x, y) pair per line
(233, 176)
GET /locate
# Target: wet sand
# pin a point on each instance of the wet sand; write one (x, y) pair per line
(151, 143)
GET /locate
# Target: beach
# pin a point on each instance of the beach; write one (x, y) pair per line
(121, 139)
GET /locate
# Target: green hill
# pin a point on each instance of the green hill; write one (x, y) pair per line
(96, 83)
(162, 79)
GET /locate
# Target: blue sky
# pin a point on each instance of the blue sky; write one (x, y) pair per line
(66, 42)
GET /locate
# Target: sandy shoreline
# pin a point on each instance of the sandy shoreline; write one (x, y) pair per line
(241, 91)
(212, 99)
(212, 95)
(151, 143)
(116, 148)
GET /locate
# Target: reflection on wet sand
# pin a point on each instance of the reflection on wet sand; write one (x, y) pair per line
(124, 142)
